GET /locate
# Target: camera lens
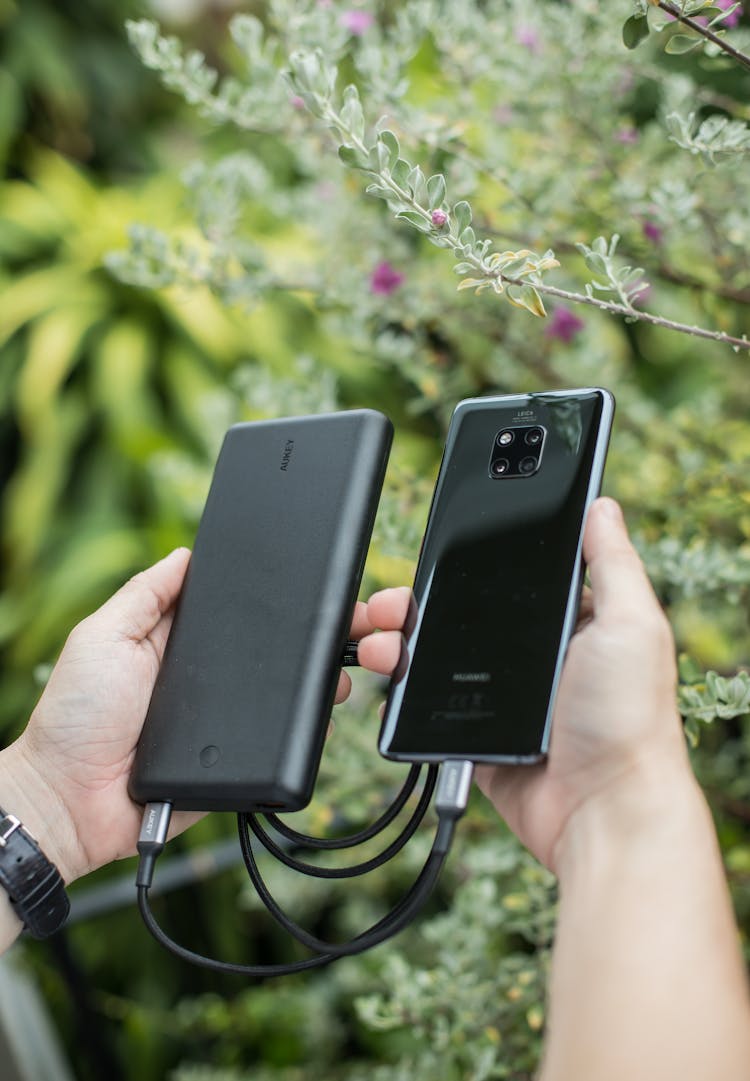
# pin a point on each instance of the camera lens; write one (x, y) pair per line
(534, 436)
(499, 467)
(505, 438)
(527, 465)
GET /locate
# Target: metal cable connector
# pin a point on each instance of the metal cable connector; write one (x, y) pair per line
(151, 841)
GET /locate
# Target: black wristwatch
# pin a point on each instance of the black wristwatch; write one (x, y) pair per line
(34, 885)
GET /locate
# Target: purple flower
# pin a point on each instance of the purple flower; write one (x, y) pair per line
(626, 136)
(652, 232)
(528, 37)
(297, 102)
(385, 279)
(564, 325)
(438, 218)
(357, 22)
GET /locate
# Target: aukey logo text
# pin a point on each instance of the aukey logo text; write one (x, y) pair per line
(285, 457)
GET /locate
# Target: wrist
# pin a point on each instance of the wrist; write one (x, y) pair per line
(655, 802)
(29, 796)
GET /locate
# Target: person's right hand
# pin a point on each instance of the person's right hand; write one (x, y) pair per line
(616, 741)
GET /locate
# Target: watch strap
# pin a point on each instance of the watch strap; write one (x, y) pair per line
(34, 885)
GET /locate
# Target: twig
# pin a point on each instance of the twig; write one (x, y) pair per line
(634, 315)
(334, 120)
(705, 32)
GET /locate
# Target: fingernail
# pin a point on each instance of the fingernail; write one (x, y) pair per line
(611, 509)
(177, 551)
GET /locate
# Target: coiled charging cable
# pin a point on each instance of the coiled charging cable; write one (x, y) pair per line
(453, 784)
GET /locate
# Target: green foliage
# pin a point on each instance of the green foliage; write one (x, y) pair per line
(698, 23)
(250, 287)
(625, 282)
(716, 139)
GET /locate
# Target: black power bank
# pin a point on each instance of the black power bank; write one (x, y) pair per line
(241, 704)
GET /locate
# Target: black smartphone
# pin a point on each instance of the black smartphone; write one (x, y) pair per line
(239, 711)
(499, 578)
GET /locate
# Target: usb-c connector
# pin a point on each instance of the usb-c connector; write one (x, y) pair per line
(453, 787)
(151, 841)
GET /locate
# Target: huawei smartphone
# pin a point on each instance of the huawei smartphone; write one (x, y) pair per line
(242, 701)
(499, 579)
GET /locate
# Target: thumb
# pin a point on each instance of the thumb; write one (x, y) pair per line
(136, 608)
(619, 582)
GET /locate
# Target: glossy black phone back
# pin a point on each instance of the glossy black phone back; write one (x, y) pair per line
(499, 577)
(242, 701)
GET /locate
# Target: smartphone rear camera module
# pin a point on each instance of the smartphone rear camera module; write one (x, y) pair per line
(499, 467)
(516, 452)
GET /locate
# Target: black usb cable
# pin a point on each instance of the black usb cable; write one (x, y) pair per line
(453, 786)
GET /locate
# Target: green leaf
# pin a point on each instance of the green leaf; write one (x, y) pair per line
(681, 43)
(353, 157)
(400, 172)
(595, 263)
(352, 116)
(388, 150)
(435, 190)
(634, 31)
(528, 298)
(377, 189)
(414, 219)
(461, 216)
(418, 185)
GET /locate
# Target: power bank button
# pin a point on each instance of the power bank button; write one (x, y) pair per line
(209, 756)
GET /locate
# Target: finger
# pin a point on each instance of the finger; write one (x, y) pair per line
(182, 820)
(360, 621)
(381, 652)
(160, 633)
(136, 609)
(387, 609)
(343, 690)
(619, 583)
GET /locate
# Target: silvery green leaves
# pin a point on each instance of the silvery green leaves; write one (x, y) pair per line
(514, 273)
(716, 139)
(422, 202)
(251, 105)
(698, 569)
(625, 282)
(706, 699)
(312, 78)
(705, 24)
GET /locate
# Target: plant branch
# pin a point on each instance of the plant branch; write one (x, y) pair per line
(705, 32)
(634, 315)
(524, 268)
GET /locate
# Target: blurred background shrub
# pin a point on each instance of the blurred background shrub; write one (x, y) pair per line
(177, 257)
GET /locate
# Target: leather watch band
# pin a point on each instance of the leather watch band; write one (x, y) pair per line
(34, 885)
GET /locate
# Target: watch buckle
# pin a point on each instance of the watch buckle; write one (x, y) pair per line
(8, 825)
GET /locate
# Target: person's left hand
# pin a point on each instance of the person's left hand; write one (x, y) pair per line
(66, 776)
